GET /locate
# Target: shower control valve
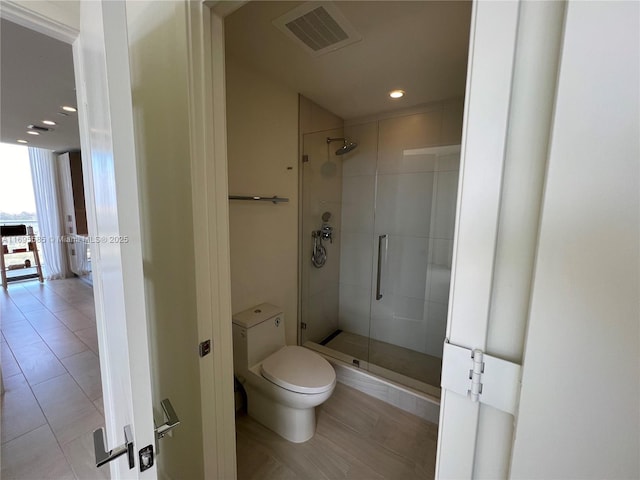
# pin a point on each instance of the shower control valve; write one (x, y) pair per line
(327, 232)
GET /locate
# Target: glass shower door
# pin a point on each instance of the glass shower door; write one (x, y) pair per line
(380, 300)
(415, 206)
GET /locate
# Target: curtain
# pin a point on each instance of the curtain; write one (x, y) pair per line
(45, 189)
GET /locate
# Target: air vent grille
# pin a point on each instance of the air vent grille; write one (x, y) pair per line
(317, 28)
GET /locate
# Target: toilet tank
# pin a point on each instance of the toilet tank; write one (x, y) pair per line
(257, 333)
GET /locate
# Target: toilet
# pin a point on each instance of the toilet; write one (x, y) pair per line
(283, 383)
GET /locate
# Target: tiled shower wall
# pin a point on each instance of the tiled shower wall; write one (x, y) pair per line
(402, 183)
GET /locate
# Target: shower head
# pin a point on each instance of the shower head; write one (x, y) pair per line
(345, 148)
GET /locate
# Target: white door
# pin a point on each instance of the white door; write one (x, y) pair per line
(489, 77)
(105, 111)
(551, 122)
(579, 408)
(513, 59)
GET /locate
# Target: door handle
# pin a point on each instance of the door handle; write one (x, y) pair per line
(379, 279)
(172, 419)
(103, 456)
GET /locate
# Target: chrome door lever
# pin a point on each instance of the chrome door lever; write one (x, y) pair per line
(102, 456)
(172, 419)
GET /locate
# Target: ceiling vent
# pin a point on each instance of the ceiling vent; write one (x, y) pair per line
(318, 27)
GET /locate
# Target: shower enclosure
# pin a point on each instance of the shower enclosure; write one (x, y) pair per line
(379, 300)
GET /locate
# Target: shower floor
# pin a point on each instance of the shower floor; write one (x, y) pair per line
(419, 366)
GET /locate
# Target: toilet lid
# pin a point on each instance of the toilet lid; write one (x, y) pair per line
(299, 370)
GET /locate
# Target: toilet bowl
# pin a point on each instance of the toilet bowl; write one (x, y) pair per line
(283, 383)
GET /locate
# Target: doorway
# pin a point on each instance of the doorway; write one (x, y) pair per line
(360, 258)
(52, 397)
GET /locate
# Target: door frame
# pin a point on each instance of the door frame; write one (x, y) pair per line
(208, 162)
(494, 25)
(207, 110)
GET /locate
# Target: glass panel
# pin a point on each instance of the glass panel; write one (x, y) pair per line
(356, 249)
(414, 217)
(321, 196)
(392, 202)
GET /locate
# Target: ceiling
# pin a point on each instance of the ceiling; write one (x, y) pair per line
(417, 46)
(36, 80)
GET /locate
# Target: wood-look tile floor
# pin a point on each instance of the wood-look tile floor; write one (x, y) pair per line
(357, 437)
(51, 373)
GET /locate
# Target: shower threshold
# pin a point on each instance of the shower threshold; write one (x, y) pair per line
(393, 388)
(404, 366)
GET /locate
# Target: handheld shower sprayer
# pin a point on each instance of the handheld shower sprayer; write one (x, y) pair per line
(319, 253)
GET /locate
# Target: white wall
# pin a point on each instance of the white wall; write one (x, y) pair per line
(579, 415)
(262, 149)
(158, 59)
(65, 12)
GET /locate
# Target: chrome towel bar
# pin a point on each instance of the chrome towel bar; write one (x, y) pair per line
(275, 199)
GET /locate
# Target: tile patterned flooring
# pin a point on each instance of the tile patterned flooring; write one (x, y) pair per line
(357, 437)
(51, 373)
(53, 401)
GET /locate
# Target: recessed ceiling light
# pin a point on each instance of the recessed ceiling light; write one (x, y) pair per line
(31, 132)
(38, 128)
(48, 122)
(396, 93)
(69, 109)
(22, 141)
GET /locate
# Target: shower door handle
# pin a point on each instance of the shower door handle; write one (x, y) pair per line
(381, 238)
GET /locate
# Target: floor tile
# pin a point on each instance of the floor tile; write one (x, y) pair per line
(75, 319)
(62, 342)
(55, 303)
(10, 315)
(34, 456)
(42, 320)
(90, 337)
(48, 406)
(38, 363)
(88, 309)
(68, 410)
(20, 334)
(9, 365)
(20, 410)
(99, 403)
(80, 455)
(357, 436)
(31, 305)
(85, 369)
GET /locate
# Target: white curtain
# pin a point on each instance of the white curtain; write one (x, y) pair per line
(45, 189)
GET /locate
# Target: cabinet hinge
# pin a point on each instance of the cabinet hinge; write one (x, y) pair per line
(303, 326)
(481, 377)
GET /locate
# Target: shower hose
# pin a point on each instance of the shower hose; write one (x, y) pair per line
(319, 254)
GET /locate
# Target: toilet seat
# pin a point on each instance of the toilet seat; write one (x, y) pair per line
(299, 370)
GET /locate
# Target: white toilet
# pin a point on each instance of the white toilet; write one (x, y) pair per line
(284, 384)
